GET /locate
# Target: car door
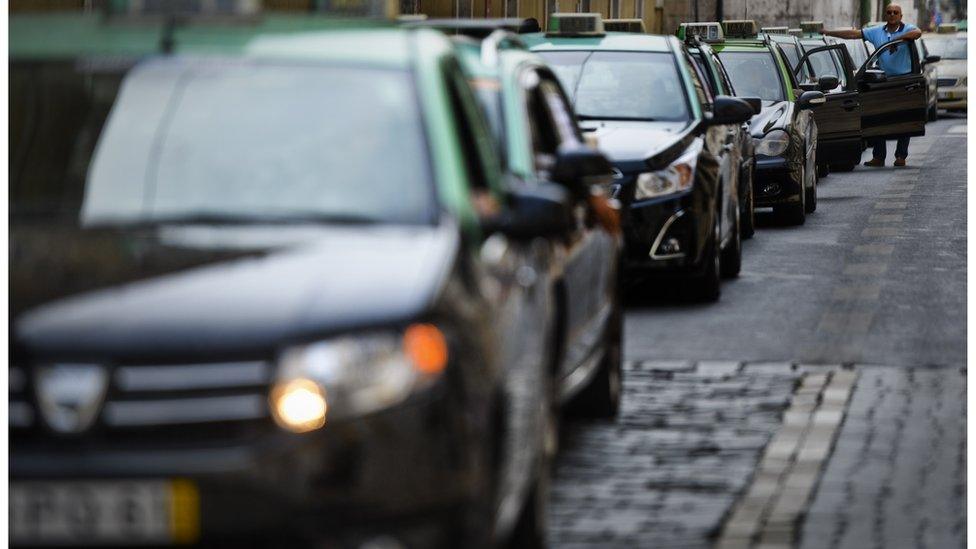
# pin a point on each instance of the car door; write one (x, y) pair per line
(586, 288)
(892, 105)
(839, 119)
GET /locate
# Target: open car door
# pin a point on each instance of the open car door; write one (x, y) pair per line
(839, 140)
(892, 105)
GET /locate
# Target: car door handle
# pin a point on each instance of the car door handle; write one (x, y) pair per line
(913, 87)
(850, 105)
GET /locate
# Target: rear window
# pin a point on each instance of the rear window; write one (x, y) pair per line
(754, 74)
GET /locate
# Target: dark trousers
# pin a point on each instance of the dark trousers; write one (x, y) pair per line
(881, 148)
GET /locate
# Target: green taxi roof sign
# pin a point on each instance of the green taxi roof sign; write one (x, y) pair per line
(776, 30)
(946, 28)
(624, 25)
(740, 28)
(575, 24)
(708, 32)
(812, 27)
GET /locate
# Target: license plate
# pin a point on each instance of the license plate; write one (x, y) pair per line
(105, 512)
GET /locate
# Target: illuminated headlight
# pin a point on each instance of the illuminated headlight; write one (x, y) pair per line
(354, 375)
(677, 177)
(773, 143)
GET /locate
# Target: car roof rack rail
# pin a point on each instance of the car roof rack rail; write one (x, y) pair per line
(474, 28)
(498, 40)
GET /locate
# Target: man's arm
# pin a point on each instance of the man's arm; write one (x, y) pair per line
(848, 34)
(913, 34)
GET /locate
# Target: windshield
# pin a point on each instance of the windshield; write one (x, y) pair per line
(754, 74)
(612, 85)
(947, 48)
(824, 63)
(219, 140)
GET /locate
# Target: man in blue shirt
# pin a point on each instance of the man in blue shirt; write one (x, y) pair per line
(894, 61)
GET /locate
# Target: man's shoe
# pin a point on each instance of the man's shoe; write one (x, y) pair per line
(899, 162)
(876, 163)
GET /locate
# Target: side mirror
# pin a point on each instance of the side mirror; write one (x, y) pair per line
(730, 110)
(578, 167)
(827, 83)
(754, 102)
(874, 76)
(932, 59)
(543, 210)
(811, 99)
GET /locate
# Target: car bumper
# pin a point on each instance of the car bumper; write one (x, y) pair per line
(952, 98)
(402, 473)
(775, 182)
(662, 235)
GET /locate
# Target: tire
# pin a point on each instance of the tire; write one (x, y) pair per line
(601, 398)
(708, 285)
(811, 194)
(842, 167)
(532, 526)
(731, 262)
(748, 218)
(933, 113)
(823, 170)
(794, 213)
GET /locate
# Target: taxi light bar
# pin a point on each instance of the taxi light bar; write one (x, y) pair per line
(708, 32)
(776, 30)
(812, 27)
(624, 25)
(740, 28)
(575, 24)
(946, 28)
(183, 8)
(795, 32)
(383, 9)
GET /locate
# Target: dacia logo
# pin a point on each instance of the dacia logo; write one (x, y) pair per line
(69, 396)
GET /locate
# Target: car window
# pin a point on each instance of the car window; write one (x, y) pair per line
(825, 63)
(947, 48)
(215, 137)
(614, 85)
(723, 75)
(754, 74)
(544, 133)
(698, 82)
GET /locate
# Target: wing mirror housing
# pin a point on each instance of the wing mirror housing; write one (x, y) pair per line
(874, 76)
(827, 83)
(811, 99)
(544, 210)
(754, 102)
(730, 110)
(578, 167)
(932, 59)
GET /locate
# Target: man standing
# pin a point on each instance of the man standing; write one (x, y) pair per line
(895, 61)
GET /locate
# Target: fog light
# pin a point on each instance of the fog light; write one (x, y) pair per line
(299, 405)
(669, 246)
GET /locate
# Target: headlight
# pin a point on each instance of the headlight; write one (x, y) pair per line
(773, 143)
(961, 81)
(354, 375)
(676, 178)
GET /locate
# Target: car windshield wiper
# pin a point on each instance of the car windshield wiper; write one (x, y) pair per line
(238, 218)
(585, 117)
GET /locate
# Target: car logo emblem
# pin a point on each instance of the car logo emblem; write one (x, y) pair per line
(69, 396)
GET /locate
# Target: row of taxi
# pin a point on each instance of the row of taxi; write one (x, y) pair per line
(298, 279)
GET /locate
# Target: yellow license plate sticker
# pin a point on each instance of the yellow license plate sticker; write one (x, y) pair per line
(184, 511)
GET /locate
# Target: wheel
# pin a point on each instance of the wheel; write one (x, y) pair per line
(794, 213)
(823, 170)
(731, 262)
(708, 285)
(532, 526)
(601, 398)
(842, 167)
(933, 113)
(748, 216)
(811, 193)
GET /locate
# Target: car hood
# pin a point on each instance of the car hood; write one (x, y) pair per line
(627, 142)
(774, 114)
(951, 68)
(215, 289)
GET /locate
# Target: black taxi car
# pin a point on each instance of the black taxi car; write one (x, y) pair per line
(649, 106)
(230, 322)
(784, 132)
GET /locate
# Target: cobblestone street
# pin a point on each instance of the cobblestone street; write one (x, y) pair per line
(839, 424)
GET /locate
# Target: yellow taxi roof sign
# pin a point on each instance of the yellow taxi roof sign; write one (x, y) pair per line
(624, 25)
(775, 30)
(740, 28)
(575, 24)
(946, 28)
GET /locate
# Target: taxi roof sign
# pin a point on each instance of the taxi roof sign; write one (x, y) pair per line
(945, 28)
(776, 30)
(624, 25)
(575, 24)
(812, 27)
(795, 32)
(708, 32)
(740, 28)
(388, 9)
(182, 8)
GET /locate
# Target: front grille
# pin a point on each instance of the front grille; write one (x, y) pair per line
(947, 82)
(180, 402)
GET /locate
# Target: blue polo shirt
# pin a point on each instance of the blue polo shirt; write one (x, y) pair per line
(899, 62)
